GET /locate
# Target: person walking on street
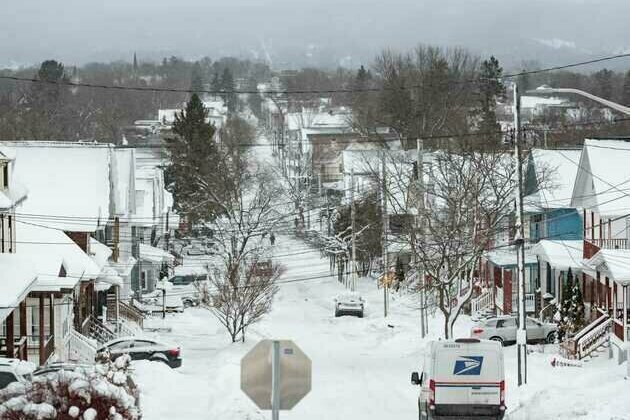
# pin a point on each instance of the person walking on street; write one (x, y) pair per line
(272, 238)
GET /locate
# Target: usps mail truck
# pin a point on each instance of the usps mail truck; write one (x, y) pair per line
(461, 378)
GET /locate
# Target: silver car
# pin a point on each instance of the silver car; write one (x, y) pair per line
(503, 329)
(349, 303)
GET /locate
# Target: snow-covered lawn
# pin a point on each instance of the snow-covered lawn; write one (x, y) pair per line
(361, 367)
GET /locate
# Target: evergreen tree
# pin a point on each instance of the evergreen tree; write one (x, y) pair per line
(360, 98)
(192, 174)
(571, 309)
(215, 84)
(400, 273)
(604, 80)
(625, 95)
(228, 87)
(491, 88)
(196, 79)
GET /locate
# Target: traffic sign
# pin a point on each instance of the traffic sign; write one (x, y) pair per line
(279, 365)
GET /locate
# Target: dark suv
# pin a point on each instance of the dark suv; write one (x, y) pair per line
(144, 349)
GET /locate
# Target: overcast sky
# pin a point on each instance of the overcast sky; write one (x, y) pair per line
(300, 32)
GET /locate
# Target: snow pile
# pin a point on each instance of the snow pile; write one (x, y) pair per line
(104, 391)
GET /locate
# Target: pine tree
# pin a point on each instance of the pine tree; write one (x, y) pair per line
(360, 99)
(491, 88)
(215, 84)
(228, 87)
(571, 310)
(400, 273)
(192, 175)
(196, 79)
(625, 95)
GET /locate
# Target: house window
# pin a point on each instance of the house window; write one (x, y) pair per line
(5, 176)
(143, 280)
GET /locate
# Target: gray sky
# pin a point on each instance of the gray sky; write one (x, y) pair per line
(301, 32)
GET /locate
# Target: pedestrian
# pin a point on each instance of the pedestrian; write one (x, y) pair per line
(272, 238)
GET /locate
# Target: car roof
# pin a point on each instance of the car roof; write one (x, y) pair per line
(137, 338)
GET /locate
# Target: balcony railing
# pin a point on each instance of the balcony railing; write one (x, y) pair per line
(621, 243)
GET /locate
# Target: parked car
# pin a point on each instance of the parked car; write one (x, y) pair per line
(140, 348)
(503, 330)
(57, 366)
(187, 287)
(14, 370)
(195, 250)
(461, 378)
(349, 303)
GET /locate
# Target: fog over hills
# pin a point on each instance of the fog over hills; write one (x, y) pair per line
(295, 33)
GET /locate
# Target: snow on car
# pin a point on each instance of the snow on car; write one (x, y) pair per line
(349, 303)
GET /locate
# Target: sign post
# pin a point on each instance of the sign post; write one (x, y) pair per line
(276, 375)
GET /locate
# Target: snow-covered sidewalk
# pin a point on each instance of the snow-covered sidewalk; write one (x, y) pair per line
(361, 367)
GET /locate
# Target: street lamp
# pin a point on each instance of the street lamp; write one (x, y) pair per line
(546, 90)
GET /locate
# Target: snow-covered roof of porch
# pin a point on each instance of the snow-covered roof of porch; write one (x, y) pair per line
(506, 257)
(560, 254)
(614, 263)
(18, 276)
(155, 255)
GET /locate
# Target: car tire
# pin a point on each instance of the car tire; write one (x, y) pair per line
(187, 303)
(159, 358)
(499, 339)
(361, 315)
(551, 337)
(336, 314)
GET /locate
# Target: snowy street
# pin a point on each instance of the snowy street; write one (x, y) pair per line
(361, 367)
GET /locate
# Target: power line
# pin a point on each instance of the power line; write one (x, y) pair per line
(299, 91)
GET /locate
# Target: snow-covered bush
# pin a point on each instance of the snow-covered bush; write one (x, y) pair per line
(101, 392)
(570, 314)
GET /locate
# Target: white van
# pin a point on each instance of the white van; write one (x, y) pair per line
(462, 378)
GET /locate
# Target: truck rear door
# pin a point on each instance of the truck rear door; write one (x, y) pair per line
(466, 376)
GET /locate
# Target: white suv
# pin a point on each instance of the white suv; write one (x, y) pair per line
(14, 370)
(349, 303)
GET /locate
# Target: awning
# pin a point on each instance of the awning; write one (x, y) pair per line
(614, 263)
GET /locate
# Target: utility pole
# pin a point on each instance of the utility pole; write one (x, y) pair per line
(419, 231)
(384, 222)
(353, 281)
(521, 334)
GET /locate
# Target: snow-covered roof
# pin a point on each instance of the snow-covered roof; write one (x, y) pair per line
(155, 255)
(603, 180)
(614, 263)
(68, 182)
(560, 254)
(46, 247)
(539, 101)
(555, 172)
(53, 283)
(506, 257)
(100, 253)
(18, 276)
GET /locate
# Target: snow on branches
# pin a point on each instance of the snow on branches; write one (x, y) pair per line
(101, 392)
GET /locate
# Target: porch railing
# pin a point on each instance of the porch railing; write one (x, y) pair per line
(588, 339)
(530, 302)
(80, 348)
(20, 348)
(481, 302)
(498, 297)
(95, 329)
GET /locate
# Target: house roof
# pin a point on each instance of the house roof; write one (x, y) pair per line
(53, 283)
(555, 172)
(560, 254)
(68, 182)
(603, 180)
(16, 281)
(615, 263)
(155, 255)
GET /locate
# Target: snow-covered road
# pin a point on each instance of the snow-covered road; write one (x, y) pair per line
(361, 367)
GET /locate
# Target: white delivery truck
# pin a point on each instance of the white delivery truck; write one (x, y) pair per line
(461, 378)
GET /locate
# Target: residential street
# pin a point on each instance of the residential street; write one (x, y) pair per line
(361, 367)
